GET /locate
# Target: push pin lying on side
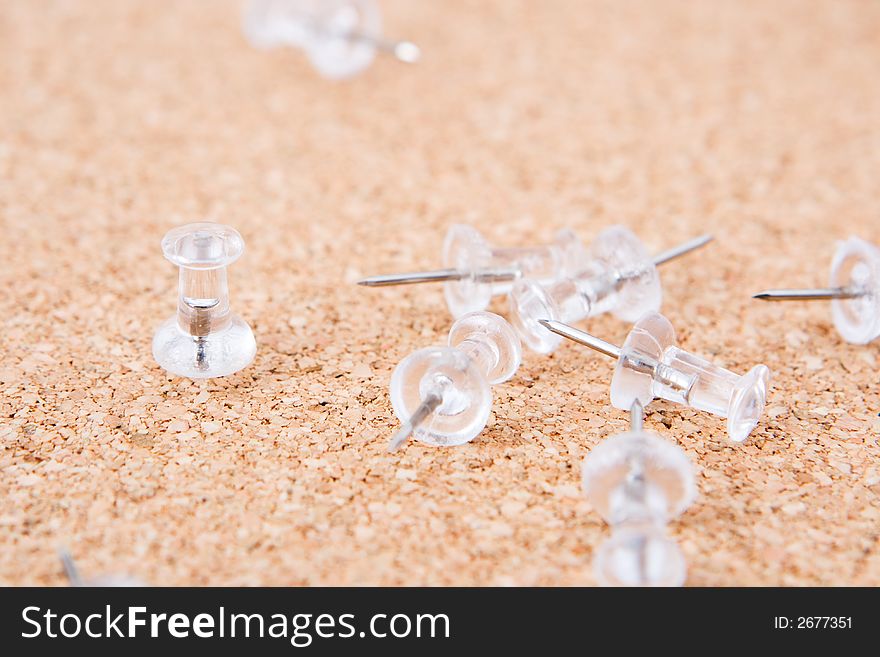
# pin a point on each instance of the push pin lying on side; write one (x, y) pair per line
(474, 271)
(650, 366)
(75, 580)
(854, 291)
(442, 394)
(340, 37)
(204, 339)
(618, 276)
(638, 482)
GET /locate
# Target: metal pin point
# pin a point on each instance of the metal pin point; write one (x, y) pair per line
(818, 294)
(70, 568)
(403, 51)
(437, 276)
(636, 416)
(581, 337)
(422, 413)
(682, 249)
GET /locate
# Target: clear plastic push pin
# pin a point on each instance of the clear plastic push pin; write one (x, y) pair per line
(638, 482)
(618, 276)
(443, 394)
(474, 271)
(76, 580)
(204, 339)
(650, 366)
(854, 291)
(340, 37)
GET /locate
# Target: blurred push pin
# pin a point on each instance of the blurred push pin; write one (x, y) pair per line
(340, 37)
(474, 271)
(75, 580)
(854, 291)
(650, 366)
(618, 276)
(638, 482)
(442, 394)
(204, 339)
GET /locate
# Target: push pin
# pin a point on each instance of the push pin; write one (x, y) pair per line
(75, 580)
(854, 291)
(204, 339)
(474, 271)
(650, 366)
(638, 482)
(340, 37)
(442, 394)
(618, 276)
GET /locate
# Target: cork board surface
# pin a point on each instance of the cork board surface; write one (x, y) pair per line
(119, 120)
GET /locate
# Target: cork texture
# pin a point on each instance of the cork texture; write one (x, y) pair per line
(119, 120)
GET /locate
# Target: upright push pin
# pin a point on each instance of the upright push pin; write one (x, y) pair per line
(854, 291)
(638, 482)
(618, 276)
(204, 339)
(442, 394)
(340, 37)
(76, 580)
(475, 271)
(650, 366)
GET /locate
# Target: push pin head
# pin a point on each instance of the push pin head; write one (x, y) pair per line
(638, 482)
(618, 276)
(204, 339)
(854, 291)
(650, 366)
(340, 37)
(474, 271)
(442, 394)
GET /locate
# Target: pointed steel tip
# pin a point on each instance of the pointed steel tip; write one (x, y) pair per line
(764, 296)
(70, 569)
(407, 52)
(400, 437)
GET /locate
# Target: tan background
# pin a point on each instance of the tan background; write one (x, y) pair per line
(120, 119)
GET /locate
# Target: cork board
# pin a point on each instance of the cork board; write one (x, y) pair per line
(120, 120)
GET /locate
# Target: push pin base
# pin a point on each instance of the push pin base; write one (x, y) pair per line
(220, 353)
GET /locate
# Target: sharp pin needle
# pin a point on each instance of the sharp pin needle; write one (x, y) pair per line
(808, 294)
(682, 249)
(70, 568)
(581, 337)
(425, 409)
(636, 416)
